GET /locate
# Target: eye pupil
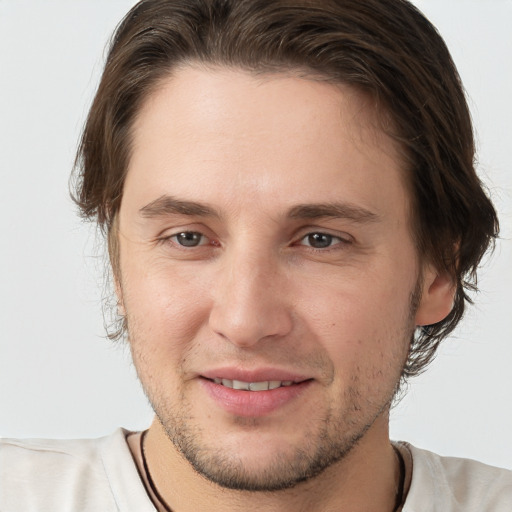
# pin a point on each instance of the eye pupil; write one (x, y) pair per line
(319, 240)
(189, 239)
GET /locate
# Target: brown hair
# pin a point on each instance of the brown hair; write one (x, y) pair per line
(386, 48)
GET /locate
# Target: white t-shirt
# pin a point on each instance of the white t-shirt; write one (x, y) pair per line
(99, 475)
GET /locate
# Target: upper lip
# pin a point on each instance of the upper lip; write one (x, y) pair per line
(256, 375)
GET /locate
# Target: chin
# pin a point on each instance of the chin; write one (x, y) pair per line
(259, 461)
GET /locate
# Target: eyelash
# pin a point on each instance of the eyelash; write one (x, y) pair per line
(172, 239)
(340, 241)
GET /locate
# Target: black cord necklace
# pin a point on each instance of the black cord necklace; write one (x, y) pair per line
(399, 491)
(401, 480)
(148, 475)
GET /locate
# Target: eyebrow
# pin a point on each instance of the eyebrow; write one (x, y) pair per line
(335, 211)
(168, 205)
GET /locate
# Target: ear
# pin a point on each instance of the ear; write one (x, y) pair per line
(113, 253)
(119, 294)
(437, 297)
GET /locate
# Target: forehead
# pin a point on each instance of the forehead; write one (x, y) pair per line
(223, 136)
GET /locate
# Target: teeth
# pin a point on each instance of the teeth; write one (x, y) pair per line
(238, 384)
(259, 386)
(253, 386)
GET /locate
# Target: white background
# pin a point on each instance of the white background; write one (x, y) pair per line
(60, 378)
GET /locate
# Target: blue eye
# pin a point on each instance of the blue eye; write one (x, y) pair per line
(321, 240)
(189, 239)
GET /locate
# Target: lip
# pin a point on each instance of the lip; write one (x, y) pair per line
(257, 375)
(253, 403)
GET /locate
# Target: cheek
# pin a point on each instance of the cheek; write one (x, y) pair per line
(361, 322)
(165, 308)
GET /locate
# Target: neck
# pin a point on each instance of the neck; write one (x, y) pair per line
(365, 480)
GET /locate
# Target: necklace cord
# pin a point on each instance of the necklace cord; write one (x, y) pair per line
(401, 480)
(398, 498)
(148, 475)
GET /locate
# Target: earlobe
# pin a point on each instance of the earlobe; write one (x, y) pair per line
(437, 297)
(120, 308)
(120, 303)
(113, 252)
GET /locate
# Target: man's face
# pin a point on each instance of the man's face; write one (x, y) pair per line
(264, 240)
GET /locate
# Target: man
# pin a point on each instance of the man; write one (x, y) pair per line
(293, 220)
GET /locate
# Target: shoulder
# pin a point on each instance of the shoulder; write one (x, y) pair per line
(57, 475)
(28, 454)
(451, 484)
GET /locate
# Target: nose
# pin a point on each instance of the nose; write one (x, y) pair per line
(250, 300)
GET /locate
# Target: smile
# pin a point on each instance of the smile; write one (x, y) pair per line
(253, 386)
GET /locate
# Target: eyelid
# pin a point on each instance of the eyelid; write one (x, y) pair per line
(341, 240)
(312, 230)
(203, 239)
(175, 228)
(169, 236)
(333, 237)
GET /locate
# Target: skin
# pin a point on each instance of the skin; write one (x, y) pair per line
(258, 154)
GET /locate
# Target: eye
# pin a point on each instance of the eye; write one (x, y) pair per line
(189, 239)
(321, 240)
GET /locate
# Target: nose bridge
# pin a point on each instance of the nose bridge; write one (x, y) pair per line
(249, 301)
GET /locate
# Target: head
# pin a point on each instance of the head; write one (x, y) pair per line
(382, 52)
(387, 49)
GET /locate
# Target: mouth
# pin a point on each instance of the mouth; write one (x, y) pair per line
(254, 397)
(265, 385)
(254, 392)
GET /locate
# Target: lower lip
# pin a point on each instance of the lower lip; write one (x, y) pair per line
(253, 403)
